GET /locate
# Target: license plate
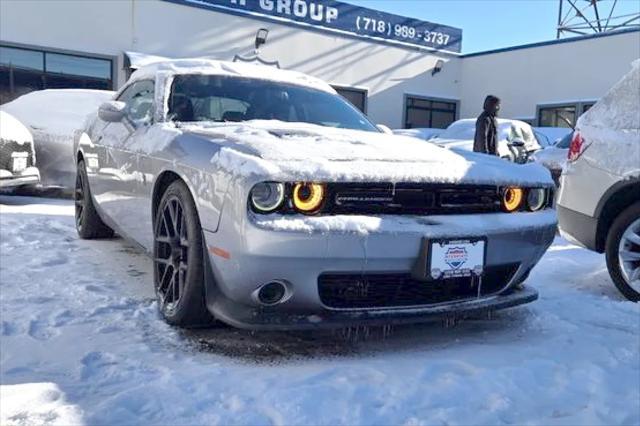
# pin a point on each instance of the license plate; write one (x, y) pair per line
(19, 163)
(456, 258)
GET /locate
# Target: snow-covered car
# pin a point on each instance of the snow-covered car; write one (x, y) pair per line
(267, 201)
(53, 116)
(554, 157)
(424, 133)
(516, 139)
(17, 156)
(599, 200)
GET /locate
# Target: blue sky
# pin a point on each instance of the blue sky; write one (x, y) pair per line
(491, 24)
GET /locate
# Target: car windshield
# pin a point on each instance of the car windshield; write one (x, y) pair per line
(236, 99)
(565, 141)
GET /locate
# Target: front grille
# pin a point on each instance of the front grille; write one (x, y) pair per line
(411, 199)
(385, 290)
(9, 147)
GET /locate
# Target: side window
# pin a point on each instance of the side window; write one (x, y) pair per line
(139, 100)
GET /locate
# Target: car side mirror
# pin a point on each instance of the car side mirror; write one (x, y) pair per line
(112, 111)
(384, 129)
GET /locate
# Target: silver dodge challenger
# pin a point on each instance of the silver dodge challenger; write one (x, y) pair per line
(267, 201)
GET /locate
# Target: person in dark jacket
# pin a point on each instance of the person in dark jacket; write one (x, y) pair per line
(486, 139)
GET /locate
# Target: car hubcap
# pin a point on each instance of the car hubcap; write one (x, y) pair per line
(629, 255)
(171, 255)
(79, 200)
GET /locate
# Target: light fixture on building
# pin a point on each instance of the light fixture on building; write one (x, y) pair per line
(437, 67)
(261, 37)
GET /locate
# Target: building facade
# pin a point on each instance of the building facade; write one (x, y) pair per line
(401, 72)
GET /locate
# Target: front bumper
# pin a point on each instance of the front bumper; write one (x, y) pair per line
(259, 253)
(241, 316)
(29, 176)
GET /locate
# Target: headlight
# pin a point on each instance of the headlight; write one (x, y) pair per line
(512, 199)
(536, 199)
(308, 197)
(266, 197)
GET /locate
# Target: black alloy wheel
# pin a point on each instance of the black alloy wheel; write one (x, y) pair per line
(88, 223)
(178, 264)
(171, 254)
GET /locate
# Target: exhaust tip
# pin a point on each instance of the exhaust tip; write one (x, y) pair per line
(272, 293)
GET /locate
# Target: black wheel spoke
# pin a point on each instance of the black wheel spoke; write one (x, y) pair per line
(163, 239)
(176, 286)
(168, 224)
(163, 261)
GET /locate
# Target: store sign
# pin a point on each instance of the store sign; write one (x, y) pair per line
(344, 18)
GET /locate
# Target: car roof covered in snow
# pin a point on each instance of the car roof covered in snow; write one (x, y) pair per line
(11, 129)
(57, 111)
(223, 68)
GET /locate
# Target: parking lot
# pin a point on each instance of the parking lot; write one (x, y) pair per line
(82, 337)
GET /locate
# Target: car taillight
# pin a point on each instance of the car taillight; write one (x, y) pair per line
(576, 147)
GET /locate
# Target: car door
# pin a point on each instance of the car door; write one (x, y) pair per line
(119, 178)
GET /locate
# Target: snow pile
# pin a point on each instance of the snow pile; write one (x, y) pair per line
(288, 151)
(12, 130)
(570, 358)
(36, 404)
(57, 112)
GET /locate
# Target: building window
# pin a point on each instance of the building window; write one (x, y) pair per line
(357, 97)
(24, 70)
(565, 115)
(558, 116)
(429, 113)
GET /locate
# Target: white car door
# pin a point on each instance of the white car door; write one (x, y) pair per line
(116, 185)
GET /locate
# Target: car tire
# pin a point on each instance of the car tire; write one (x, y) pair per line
(88, 223)
(628, 219)
(178, 259)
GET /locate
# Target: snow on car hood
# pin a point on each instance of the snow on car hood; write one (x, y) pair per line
(308, 152)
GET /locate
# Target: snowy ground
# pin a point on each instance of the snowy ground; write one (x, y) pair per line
(82, 343)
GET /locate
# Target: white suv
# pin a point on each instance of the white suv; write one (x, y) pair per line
(599, 201)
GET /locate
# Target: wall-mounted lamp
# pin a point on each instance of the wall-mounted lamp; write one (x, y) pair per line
(437, 67)
(261, 37)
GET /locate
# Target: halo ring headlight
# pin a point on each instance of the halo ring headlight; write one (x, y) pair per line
(267, 197)
(536, 199)
(308, 197)
(512, 198)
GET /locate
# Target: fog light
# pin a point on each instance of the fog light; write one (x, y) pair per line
(512, 199)
(272, 293)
